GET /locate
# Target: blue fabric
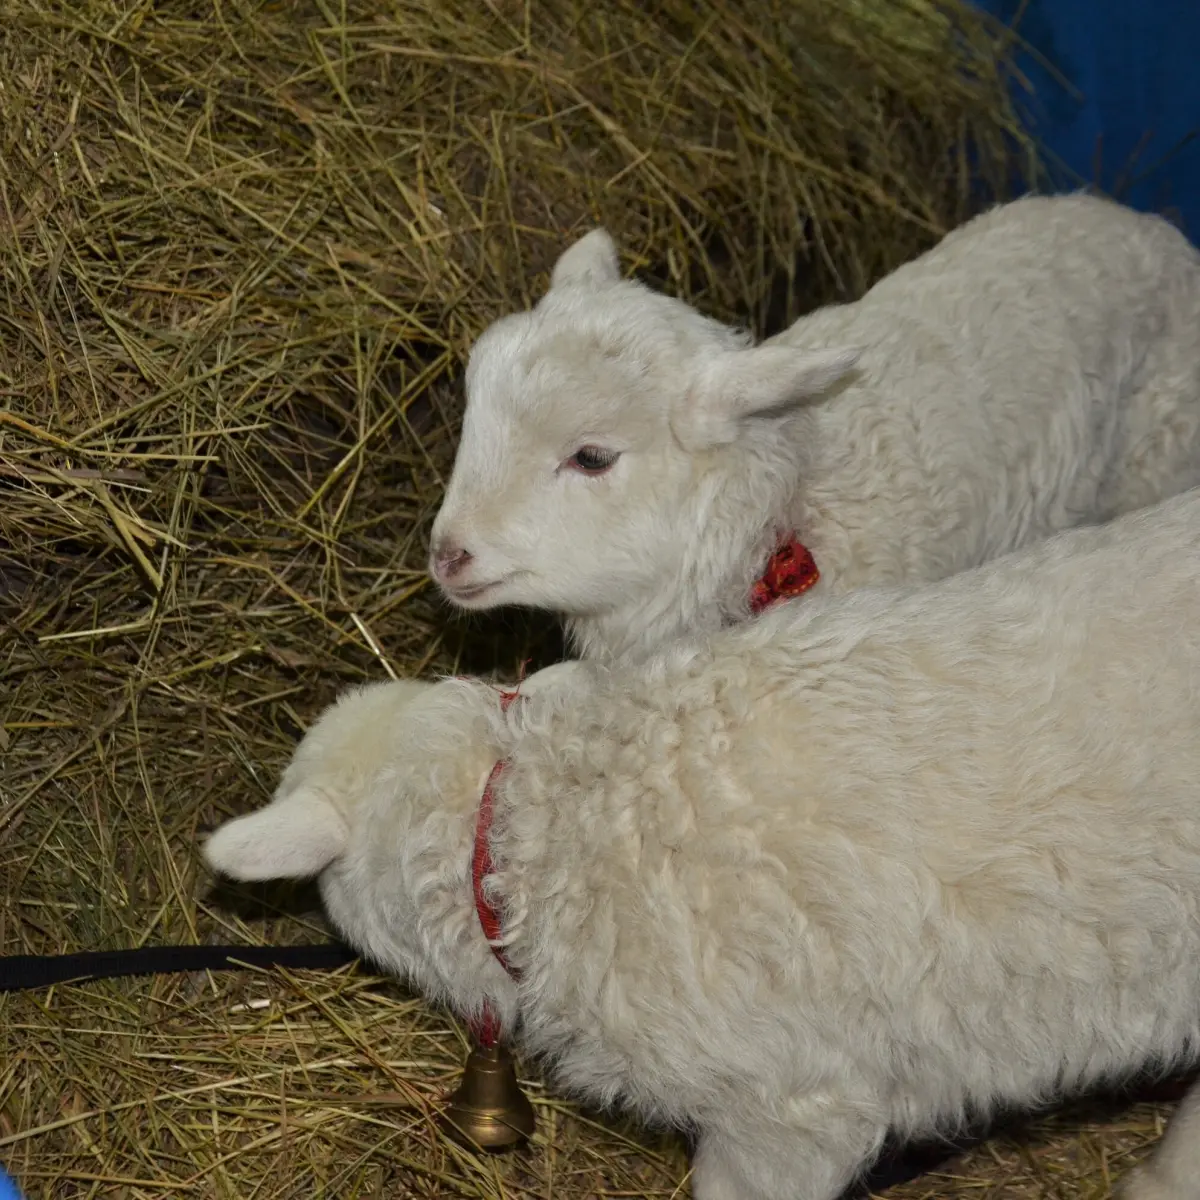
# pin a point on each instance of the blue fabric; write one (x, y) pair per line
(8, 1189)
(1137, 65)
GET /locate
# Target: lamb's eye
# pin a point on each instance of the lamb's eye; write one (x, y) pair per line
(592, 460)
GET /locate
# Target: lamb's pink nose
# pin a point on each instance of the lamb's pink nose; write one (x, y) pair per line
(449, 560)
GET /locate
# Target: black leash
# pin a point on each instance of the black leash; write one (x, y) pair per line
(22, 972)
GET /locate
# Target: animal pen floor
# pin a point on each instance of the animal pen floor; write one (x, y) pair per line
(243, 248)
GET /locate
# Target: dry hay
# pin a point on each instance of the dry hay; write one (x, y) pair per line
(1077, 1153)
(243, 248)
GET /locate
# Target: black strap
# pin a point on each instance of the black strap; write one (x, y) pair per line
(24, 971)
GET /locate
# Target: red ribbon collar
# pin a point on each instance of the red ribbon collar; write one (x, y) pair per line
(790, 571)
(488, 1031)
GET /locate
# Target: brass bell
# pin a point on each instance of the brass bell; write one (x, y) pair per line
(489, 1108)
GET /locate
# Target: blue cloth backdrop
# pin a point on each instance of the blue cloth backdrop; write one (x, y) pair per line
(1137, 65)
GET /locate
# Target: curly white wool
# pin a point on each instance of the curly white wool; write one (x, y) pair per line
(1037, 370)
(867, 863)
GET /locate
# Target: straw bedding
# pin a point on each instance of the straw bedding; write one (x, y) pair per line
(243, 249)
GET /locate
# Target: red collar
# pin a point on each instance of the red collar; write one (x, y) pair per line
(487, 1032)
(790, 571)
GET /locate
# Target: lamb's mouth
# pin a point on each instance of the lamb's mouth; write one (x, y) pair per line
(467, 595)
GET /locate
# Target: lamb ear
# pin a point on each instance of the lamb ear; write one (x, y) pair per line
(591, 261)
(763, 381)
(291, 838)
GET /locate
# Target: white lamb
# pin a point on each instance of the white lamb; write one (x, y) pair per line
(868, 863)
(629, 463)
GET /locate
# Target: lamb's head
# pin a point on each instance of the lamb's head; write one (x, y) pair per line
(606, 433)
(380, 802)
